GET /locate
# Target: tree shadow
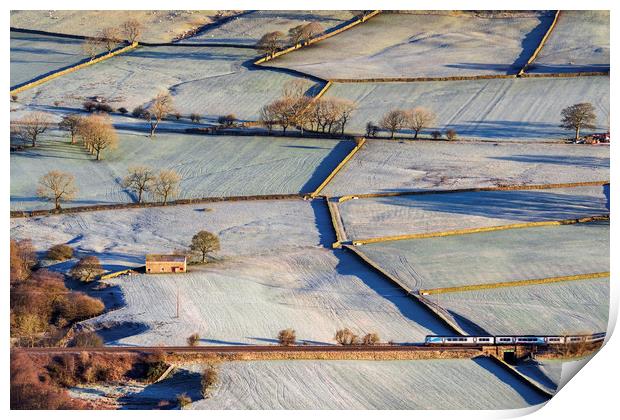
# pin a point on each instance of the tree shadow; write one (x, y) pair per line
(327, 165)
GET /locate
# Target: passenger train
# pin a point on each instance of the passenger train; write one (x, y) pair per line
(539, 340)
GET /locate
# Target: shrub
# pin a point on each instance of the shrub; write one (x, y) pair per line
(193, 339)
(436, 135)
(138, 111)
(183, 400)
(287, 337)
(194, 118)
(14, 98)
(60, 252)
(370, 339)
(155, 365)
(451, 134)
(123, 110)
(177, 116)
(346, 337)
(104, 108)
(87, 339)
(89, 106)
(227, 120)
(209, 379)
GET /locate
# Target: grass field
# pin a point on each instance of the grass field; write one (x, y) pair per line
(578, 307)
(384, 165)
(121, 238)
(158, 25)
(489, 257)
(579, 42)
(250, 26)
(248, 300)
(497, 109)
(208, 81)
(210, 166)
(37, 55)
(392, 216)
(423, 45)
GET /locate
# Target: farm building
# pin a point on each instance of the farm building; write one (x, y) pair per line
(158, 263)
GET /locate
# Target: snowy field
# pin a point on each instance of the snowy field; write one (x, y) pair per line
(248, 300)
(210, 166)
(423, 45)
(250, 26)
(384, 165)
(37, 55)
(579, 42)
(208, 81)
(121, 238)
(576, 307)
(334, 384)
(158, 25)
(546, 372)
(489, 257)
(391, 216)
(497, 109)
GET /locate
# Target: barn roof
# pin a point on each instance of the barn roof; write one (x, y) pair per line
(165, 258)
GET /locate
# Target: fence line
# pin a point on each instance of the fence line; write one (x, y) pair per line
(478, 189)
(71, 69)
(469, 231)
(530, 282)
(337, 169)
(540, 45)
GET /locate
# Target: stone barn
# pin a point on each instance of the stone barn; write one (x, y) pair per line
(159, 264)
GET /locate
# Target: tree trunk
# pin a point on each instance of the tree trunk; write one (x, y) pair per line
(153, 128)
(204, 254)
(34, 141)
(392, 135)
(98, 153)
(140, 195)
(415, 136)
(57, 203)
(576, 133)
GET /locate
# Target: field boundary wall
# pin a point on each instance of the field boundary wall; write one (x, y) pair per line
(81, 65)
(537, 386)
(469, 231)
(541, 44)
(119, 206)
(337, 169)
(334, 214)
(547, 280)
(479, 189)
(437, 311)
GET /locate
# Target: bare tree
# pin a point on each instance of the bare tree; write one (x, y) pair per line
(419, 118)
(166, 185)
(110, 37)
(287, 337)
(371, 129)
(57, 186)
(203, 243)
(71, 124)
(270, 43)
(295, 88)
(303, 33)
(98, 134)
(210, 378)
(87, 269)
(30, 127)
(344, 109)
(139, 179)
(451, 134)
(132, 30)
(193, 339)
(346, 337)
(267, 117)
(370, 339)
(92, 46)
(158, 110)
(393, 121)
(578, 116)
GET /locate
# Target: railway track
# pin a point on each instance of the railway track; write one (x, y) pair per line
(246, 349)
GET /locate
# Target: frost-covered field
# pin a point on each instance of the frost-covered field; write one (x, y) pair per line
(207, 81)
(386, 165)
(37, 55)
(158, 25)
(415, 384)
(250, 26)
(546, 372)
(248, 300)
(489, 257)
(121, 238)
(496, 109)
(210, 166)
(579, 42)
(576, 307)
(423, 45)
(391, 216)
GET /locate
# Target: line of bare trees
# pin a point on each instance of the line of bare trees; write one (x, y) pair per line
(296, 109)
(271, 42)
(415, 119)
(109, 38)
(162, 185)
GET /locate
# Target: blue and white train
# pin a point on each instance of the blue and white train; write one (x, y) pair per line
(539, 340)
